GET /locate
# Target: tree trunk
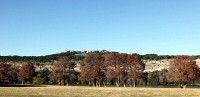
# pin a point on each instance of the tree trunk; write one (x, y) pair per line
(99, 83)
(117, 84)
(93, 83)
(89, 83)
(184, 86)
(63, 82)
(131, 83)
(67, 84)
(134, 84)
(104, 84)
(124, 85)
(181, 85)
(59, 82)
(22, 82)
(118, 81)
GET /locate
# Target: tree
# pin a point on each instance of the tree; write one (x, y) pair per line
(135, 69)
(86, 69)
(45, 75)
(61, 70)
(38, 79)
(157, 77)
(26, 73)
(153, 78)
(123, 67)
(93, 69)
(99, 69)
(162, 77)
(113, 65)
(13, 71)
(42, 77)
(4, 76)
(183, 69)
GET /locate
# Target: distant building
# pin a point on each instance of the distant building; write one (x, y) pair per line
(82, 54)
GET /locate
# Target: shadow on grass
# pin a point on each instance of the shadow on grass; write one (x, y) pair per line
(147, 86)
(139, 86)
(19, 85)
(170, 86)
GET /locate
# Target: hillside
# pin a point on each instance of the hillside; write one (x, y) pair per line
(153, 62)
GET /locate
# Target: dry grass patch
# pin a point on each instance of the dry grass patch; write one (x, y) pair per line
(63, 91)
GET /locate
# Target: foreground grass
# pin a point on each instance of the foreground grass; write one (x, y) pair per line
(63, 91)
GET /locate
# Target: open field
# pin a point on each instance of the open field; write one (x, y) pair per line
(74, 91)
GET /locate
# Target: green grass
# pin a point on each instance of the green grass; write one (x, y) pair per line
(63, 91)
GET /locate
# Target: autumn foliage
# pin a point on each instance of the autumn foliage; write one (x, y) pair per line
(97, 69)
(61, 70)
(120, 68)
(8, 73)
(183, 69)
(93, 69)
(26, 73)
(124, 68)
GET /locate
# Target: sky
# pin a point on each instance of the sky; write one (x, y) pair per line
(43, 27)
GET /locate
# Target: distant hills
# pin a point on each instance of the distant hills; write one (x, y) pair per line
(75, 56)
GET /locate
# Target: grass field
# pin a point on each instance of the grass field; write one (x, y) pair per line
(63, 91)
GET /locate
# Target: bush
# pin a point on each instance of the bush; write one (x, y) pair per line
(38, 80)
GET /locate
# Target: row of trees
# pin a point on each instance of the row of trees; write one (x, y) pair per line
(120, 68)
(76, 56)
(48, 58)
(126, 69)
(72, 55)
(155, 57)
(11, 74)
(61, 73)
(101, 69)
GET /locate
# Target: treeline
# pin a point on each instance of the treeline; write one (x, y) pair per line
(156, 57)
(48, 58)
(113, 68)
(127, 70)
(75, 56)
(71, 55)
(4, 59)
(102, 69)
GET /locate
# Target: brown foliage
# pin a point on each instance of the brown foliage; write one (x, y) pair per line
(183, 69)
(123, 67)
(61, 69)
(135, 68)
(113, 65)
(26, 73)
(4, 76)
(92, 69)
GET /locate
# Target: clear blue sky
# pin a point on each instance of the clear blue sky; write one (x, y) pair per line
(42, 27)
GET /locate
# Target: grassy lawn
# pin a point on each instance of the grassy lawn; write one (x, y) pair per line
(63, 91)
